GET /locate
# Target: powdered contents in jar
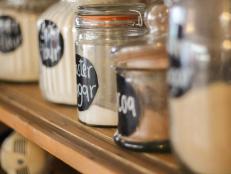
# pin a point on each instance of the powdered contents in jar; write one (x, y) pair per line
(201, 128)
(107, 117)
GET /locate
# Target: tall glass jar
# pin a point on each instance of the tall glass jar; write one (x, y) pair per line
(141, 69)
(199, 79)
(57, 50)
(18, 39)
(100, 28)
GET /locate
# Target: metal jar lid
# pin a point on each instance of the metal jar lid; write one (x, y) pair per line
(110, 15)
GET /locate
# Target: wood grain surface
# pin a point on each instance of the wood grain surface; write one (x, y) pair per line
(56, 129)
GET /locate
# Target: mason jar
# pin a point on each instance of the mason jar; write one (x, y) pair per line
(100, 28)
(57, 50)
(19, 54)
(142, 90)
(200, 86)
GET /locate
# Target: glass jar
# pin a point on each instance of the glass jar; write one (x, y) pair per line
(18, 39)
(199, 79)
(142, 98)
(142, 89)
(57, 49)
(100, 28)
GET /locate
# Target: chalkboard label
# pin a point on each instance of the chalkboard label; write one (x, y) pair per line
(128, 107)
(189, 68)
(179, 77)
(10, 34)
(87, 83)
(51, 43)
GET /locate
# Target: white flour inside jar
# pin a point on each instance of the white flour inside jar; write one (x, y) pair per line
(201, 128)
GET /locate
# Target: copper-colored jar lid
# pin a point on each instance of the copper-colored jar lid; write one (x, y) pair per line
(147, 57)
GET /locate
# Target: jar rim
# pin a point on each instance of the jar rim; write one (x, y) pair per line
(107, 9)
(110, 15)
(141, 58)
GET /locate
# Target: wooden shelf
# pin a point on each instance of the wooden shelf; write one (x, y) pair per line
(56, 129)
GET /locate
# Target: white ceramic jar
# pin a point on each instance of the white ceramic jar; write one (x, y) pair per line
(57, 50)
(18, 39)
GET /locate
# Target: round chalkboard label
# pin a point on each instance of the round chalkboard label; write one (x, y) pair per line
(188, 68)
(179, 77)
(128, 107)
(10, 34)
(51, 43)
(87, 83)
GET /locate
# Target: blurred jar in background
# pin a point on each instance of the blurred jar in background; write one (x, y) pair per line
(57, 51)
(200, 88)
(19, 54)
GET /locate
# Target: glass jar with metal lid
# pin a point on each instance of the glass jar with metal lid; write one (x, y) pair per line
(100, 28)
(18, 39)
(57, 50)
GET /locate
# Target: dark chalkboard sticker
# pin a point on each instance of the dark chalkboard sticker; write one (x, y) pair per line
(87, 83)
(128, 107)
(179, 77)
(51, 43)
(10, 34)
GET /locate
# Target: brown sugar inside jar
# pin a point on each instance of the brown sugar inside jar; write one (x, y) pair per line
(142, 98)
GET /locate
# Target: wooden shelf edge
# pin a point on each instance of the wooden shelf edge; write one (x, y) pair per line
(56, 148)
(86, 149)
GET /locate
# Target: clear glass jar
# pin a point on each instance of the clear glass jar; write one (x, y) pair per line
(18, 39)
(199, 79)
(57, 49)
(142, 99)
(100, 28)
(142, 89)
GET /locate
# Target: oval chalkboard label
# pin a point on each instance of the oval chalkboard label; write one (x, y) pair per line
(179, 77)
(128, 107)
(10, 34)
(51, 43)
(188, 68)
(87, 83)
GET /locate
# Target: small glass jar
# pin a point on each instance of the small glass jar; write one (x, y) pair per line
(57, 49)
(100, 28)
(18, 39)
(142, 89)
(142, 98)
(200, 88)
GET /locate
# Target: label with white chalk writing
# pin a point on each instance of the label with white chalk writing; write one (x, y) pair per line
(188, 68)
(10, 34)
(87, 83)
(51, 43)
(128, 107)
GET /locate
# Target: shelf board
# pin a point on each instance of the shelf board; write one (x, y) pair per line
(56, 129)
